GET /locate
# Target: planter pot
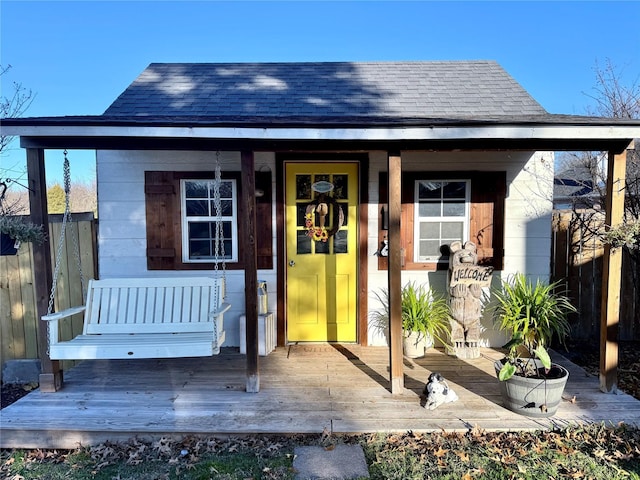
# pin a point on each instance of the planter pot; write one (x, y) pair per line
(8, 246)
(415, 344)
(534, 397)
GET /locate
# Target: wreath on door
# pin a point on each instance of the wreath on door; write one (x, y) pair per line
(321, 207)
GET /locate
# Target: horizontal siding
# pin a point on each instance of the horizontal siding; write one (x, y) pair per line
(528, 217)
(122, 234)
(122, 239)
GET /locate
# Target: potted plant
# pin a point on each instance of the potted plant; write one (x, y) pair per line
(532, 314)
(15, 230)
(425, 318)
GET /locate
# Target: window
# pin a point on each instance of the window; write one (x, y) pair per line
(437, 206)
(441, 217)
(199, 221)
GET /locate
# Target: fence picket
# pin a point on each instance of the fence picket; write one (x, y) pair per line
(577, 260)
(18, 322)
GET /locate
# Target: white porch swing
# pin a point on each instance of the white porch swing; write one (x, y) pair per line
(143, 317)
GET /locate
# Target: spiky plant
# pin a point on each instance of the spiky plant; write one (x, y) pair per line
(423, 311)
(532, 314)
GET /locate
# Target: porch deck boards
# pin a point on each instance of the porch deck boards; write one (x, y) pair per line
(303, 389)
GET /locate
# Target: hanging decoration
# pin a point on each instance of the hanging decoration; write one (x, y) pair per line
(322, 206)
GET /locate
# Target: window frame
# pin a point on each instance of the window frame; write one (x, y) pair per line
(185, 220)
(418, 219)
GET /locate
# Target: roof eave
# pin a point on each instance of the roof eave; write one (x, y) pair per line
(549, 132)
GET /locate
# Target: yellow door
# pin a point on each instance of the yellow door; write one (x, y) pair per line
(321, 232)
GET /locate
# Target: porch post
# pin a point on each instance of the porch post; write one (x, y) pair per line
(612, 274)
(394, 167)
(248, 245)
(51, 374)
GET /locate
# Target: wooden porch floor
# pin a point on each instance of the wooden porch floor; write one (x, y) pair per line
(304, 389)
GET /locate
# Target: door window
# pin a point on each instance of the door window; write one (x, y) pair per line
(321, 220)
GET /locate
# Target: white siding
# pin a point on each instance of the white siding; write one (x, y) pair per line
(528, 216)
(122, 240)
(122, 232)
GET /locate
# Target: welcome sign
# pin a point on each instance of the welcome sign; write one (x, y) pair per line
(471, 275)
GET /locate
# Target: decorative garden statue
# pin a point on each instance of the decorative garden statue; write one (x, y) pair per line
(466, 280)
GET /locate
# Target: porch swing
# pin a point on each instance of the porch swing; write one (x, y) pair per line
(152, 317)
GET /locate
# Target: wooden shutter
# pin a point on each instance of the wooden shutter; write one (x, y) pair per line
(264, 221)
(488, 193)
(163, 220)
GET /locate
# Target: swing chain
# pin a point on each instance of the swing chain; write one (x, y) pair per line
(63, 230)
(66, 218)
(219, 252)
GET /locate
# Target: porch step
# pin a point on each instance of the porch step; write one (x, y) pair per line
(342, 462)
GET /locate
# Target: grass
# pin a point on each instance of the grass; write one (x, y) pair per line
(590, 452)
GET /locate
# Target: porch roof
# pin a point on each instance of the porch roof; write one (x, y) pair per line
(533, 132)
(360, 105)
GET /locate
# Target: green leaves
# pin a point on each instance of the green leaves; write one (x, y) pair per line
(425, 312)
(532, 313)
(21, 230)
(543, 356)
(507, 371)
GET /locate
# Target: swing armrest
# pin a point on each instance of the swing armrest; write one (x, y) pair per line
(220, 310)
(54, 317)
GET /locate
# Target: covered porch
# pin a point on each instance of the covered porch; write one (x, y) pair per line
(311, 388)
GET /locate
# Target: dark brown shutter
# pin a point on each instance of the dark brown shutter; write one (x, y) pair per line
(162, 214)
(264, 213)
(488, 193)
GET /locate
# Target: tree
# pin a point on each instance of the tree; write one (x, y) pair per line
(11, 202)
(14, 105)
(56, 199)
(615, 99)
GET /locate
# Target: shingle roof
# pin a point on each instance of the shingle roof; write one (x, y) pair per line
(575, 181)
(439, 89)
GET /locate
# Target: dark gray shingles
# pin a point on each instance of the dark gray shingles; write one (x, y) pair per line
(458, 89)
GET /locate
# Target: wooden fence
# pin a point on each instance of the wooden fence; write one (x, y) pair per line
(18, 322)
(576, 258)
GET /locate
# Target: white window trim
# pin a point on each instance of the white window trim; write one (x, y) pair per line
(417, 218)
(184, 220)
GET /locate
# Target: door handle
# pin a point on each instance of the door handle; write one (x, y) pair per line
(292, 263)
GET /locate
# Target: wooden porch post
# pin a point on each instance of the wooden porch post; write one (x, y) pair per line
(51, 376)
(612, 275)
(394, 274)
(249, 247)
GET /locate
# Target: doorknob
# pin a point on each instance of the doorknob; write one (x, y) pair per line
(292, 263)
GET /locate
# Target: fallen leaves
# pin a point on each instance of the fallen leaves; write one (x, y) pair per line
(472, 454)
(440, 453)
(463, 456)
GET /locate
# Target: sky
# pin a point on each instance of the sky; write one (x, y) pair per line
(78, 56)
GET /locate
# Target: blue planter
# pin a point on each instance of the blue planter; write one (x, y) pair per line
(7, 245)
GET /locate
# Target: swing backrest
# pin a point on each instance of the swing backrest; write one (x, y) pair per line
(152, 305)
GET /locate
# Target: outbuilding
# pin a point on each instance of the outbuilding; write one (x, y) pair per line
(338, 180)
